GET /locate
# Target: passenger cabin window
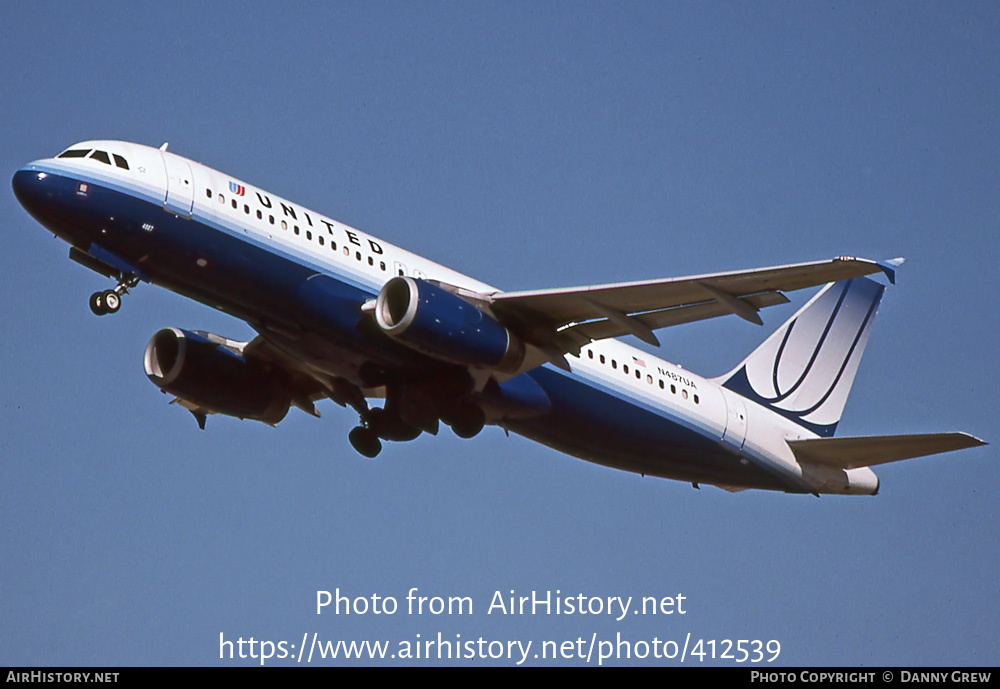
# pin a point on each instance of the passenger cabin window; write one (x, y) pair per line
(101, 156)
(75, 153)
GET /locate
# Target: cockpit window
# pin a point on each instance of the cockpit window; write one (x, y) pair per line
(96, 155)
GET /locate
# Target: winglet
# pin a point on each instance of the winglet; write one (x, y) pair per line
(889, 267)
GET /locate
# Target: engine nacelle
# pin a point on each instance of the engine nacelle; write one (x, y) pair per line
(440, 324)
(214, 377)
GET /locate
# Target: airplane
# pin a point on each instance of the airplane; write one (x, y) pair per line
(345, 316)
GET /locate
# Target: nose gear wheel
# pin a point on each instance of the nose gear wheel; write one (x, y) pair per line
(109, 301)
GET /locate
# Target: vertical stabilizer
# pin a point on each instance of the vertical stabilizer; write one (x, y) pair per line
(804, 371)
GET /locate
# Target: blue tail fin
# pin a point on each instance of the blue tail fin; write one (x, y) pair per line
(804, 371)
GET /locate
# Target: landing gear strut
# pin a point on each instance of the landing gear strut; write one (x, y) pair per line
(109, 301)
(364, 438)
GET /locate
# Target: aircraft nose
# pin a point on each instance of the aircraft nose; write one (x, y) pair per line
(28, 188)
(33, 192)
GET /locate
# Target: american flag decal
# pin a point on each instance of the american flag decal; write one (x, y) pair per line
(638, 362)
(237, 189)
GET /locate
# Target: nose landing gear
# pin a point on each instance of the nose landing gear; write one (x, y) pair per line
(103, 303)
(109, 301)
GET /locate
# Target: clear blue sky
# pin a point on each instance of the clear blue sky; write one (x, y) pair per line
(530, 145)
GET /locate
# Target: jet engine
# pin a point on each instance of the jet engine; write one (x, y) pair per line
(209, 373)
(442, 325)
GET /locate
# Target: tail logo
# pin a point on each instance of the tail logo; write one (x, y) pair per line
(805, 370)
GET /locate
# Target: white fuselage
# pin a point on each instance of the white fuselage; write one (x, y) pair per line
(231, 210)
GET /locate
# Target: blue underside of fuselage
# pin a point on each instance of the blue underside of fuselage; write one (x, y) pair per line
(216, 266)
(600, 426)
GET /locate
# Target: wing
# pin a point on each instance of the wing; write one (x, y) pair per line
(560, 321)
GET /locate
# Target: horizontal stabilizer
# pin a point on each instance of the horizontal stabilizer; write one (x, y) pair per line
(851, 453)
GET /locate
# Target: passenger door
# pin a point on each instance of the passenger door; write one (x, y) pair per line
(180, 186)
(736, 422)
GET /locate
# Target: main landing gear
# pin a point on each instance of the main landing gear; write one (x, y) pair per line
(365, 441)
(377, 425)
(109, 301)
(410, 409)
(389, 424)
